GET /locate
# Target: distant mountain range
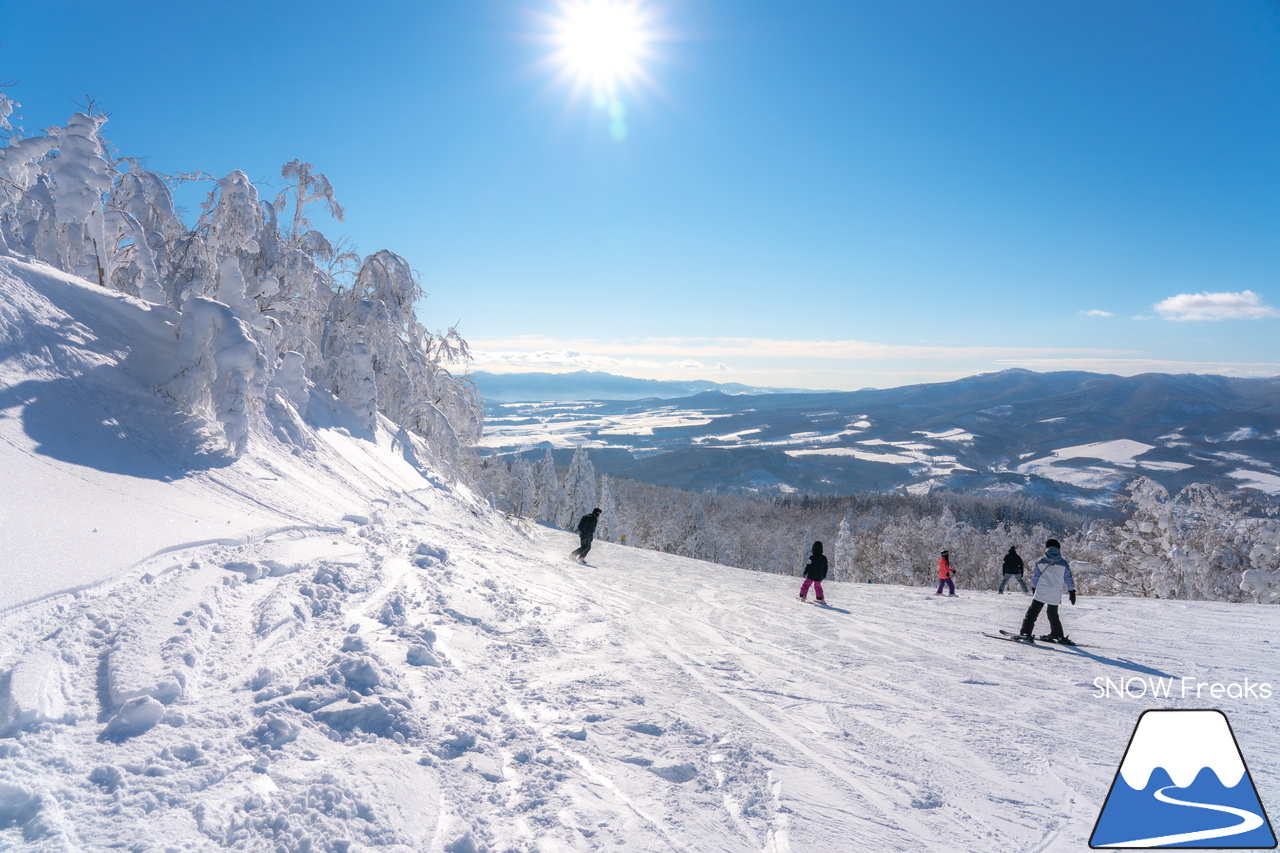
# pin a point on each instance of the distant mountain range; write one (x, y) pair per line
(594, 385)
(1074, 438)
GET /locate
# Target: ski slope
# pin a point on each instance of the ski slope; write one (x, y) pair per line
(330, 644)
(439, 680)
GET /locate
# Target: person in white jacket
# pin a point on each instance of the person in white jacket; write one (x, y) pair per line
(1051, 578)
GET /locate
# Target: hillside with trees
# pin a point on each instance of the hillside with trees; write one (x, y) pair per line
(1193, 544)
(267, 309)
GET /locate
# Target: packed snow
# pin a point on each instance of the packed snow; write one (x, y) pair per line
(329, 643)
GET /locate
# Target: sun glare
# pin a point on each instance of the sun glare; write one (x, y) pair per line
(602, 43)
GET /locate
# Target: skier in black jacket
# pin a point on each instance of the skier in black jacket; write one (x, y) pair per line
(814, 574)
(586, 532)
(1013, 567)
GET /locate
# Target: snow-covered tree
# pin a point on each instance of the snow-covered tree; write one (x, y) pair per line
(523, 492)
(579, 489)
(550, 495)
(412, 385)
(612, 526)
(844, 553)
(224, 372)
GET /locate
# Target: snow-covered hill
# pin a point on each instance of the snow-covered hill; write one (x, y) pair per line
(327, 644)
(104, 469)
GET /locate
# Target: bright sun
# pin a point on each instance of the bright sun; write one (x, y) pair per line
(601, 43)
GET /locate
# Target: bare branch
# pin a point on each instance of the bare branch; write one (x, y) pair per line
(90, 105)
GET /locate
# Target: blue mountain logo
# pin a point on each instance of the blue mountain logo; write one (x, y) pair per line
(1183, 783)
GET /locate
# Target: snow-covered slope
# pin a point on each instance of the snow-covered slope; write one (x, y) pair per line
(436, 680)
(103, 469)
(327, 645)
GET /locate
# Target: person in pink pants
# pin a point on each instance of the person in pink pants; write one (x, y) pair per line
(814, 573)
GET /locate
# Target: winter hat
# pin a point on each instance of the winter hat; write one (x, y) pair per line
(946, 553)
(817, 547)
(595, 511)
(1013, 549)
(1053, 543)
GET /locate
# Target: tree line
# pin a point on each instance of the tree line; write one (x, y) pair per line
(1190, 545)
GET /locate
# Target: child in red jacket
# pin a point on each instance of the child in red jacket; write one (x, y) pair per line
(944, 574)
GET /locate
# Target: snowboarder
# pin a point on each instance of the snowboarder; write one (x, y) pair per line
(945, 573)
(586, 532)
(1013, 567)
(1052, 576)
(814, 574)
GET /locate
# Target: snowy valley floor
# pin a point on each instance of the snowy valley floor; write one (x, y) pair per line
(431, 678)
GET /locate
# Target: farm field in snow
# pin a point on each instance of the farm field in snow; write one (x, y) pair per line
(1076, 438)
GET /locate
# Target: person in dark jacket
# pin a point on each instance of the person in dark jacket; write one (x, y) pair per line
(1013, 567)
(586, 532)
(814, 574)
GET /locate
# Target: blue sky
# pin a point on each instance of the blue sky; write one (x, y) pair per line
(827, 194)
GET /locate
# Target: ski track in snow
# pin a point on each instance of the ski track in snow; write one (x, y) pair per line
(436, 680)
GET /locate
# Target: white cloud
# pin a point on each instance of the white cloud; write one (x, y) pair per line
(553, 361)
(687, 364)
(1245, 305)
(1094, 312)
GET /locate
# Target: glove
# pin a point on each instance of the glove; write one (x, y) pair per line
(1071, 594)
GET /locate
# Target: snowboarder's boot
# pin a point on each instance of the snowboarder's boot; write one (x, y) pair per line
(1062, 641)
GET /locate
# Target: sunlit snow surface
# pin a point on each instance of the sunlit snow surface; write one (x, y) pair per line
(462, 679)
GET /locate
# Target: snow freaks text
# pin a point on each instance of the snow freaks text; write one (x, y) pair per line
(1149, 687)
